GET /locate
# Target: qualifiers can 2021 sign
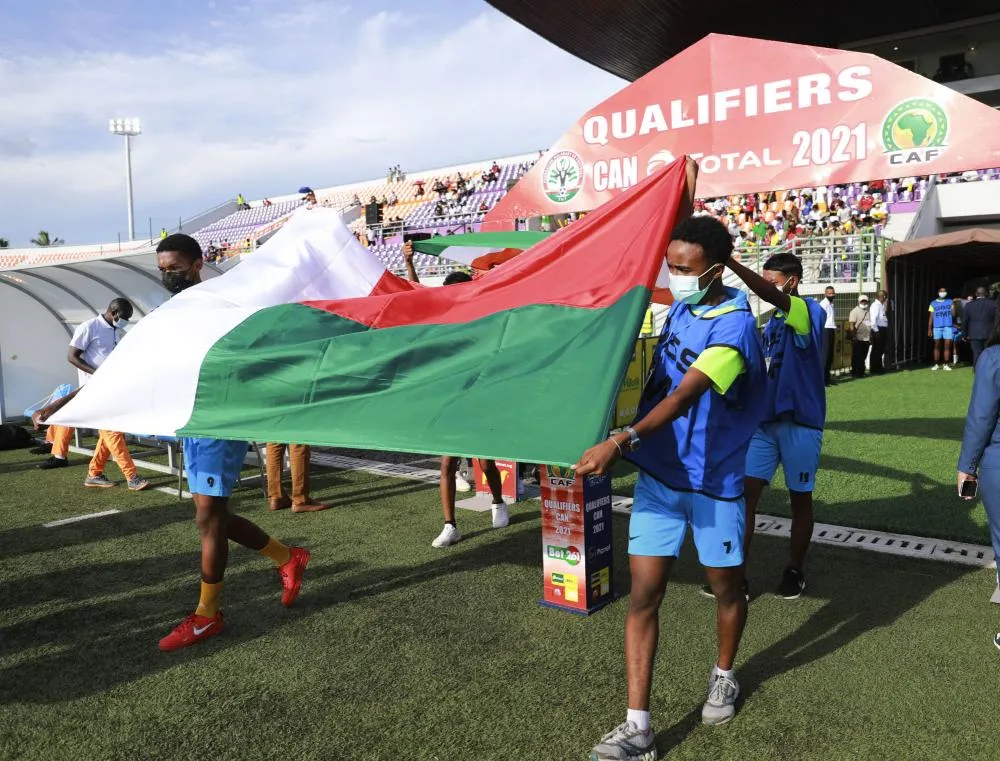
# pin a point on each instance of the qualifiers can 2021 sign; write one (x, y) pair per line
(817, 117)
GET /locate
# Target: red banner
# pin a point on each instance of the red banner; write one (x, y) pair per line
(508, 480)
(759, 116)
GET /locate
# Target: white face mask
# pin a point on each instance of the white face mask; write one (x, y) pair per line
(942, 294)
(863, 304)
(685, 287)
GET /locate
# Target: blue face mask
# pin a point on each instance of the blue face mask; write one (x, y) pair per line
(120, 323)
(685, 287)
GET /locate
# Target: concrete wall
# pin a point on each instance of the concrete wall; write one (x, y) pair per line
(968, 201)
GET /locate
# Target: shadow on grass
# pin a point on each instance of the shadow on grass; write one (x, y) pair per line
(29, 539)
(872, 597)
(93, 643)
(929, 509)
(949, 429)
(96, 644)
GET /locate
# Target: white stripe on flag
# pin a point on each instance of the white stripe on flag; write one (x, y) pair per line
(466, 254)
(147, 386)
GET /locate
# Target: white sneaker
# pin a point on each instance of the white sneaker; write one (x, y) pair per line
(626, 743)
(461, 484)
(721, 704)
(948, 368)
(448, 536)
(936, 367)
(500, 516)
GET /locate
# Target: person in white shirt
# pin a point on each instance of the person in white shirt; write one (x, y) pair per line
(880, 333)
(92, 343)
(829, 331)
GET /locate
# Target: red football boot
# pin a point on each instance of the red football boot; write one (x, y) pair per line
(191, 631)
(291, 575)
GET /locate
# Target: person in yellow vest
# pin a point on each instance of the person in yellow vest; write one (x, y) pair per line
(647, 324)
(163, 233)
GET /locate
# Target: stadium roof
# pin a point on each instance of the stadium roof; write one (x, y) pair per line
(631, 37)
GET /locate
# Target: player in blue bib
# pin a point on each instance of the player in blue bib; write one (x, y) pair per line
(701, 405)
(941, 328)
(792, 431)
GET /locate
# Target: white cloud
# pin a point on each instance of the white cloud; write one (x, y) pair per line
(290, 93)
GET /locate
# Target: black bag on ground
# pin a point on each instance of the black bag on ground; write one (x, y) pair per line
(14, 437)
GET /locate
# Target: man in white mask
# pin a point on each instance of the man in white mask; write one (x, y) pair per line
(941, 328)
(861, 336)
(92, 343)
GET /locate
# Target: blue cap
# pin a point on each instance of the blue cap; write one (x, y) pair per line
(305, 189)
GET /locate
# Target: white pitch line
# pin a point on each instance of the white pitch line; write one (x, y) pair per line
(844, 536)
(78, 518)
(172, 491)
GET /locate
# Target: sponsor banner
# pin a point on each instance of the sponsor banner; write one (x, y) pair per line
(812, 116)
(630, 392)
(627, 403)
(508, 480)
(576, 540)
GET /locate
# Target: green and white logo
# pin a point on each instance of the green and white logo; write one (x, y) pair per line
(570, 555)
(562, 176)
(915, 131)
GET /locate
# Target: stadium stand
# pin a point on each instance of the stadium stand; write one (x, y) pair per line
(838, 226)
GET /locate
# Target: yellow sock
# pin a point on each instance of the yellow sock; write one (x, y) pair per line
(275, 550)
(208, 605)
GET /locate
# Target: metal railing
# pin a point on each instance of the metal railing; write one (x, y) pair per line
(828, 259)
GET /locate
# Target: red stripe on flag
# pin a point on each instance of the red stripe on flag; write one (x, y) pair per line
(590, 264)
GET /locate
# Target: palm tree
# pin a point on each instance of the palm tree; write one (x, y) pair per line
(44, 239)
(4, 243)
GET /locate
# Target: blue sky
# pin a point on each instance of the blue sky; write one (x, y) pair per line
(259, 97)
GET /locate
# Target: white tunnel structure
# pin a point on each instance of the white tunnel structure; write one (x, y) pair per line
(45, 294)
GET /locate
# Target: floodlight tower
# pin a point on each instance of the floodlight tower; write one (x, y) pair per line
(128, 128)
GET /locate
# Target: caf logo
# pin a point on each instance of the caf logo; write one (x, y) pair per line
(559, 476)
(562, 177)
(914, 132)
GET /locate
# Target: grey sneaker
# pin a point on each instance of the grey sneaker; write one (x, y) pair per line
(625, 743)
(137, 484)
(99, 482)
(721, 704)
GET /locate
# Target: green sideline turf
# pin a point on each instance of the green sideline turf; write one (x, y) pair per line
(890, 453)
(400, 651)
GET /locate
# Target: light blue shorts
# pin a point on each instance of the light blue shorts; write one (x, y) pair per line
(794, 446)
(660, 517)
(946, 334)
(213, 465)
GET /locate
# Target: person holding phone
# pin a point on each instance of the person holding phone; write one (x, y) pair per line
(979, 460)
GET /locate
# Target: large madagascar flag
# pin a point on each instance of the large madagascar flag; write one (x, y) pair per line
(522, 363)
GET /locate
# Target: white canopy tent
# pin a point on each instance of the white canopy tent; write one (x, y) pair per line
(44, 296)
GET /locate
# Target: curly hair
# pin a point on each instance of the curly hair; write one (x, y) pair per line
(709, 233)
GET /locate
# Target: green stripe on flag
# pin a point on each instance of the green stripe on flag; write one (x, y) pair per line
(535, 383)
(494, 241)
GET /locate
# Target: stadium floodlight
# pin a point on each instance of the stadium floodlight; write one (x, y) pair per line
(127, 128)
